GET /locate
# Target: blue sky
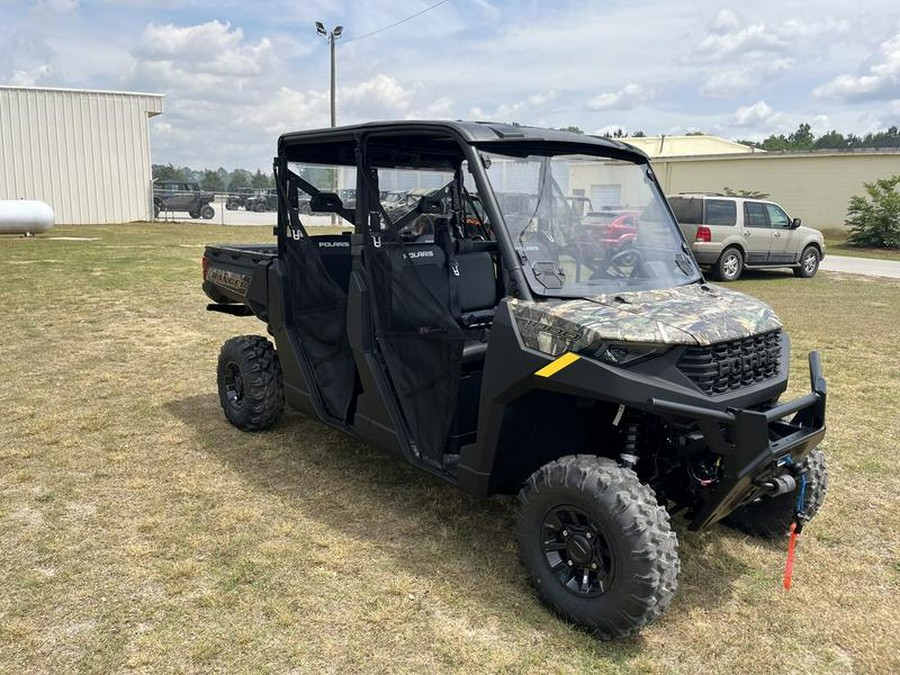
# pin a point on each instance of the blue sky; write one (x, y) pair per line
(237, 74)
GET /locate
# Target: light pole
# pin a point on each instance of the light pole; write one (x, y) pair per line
(330, 37)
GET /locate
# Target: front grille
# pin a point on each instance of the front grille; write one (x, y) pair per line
(726, 366)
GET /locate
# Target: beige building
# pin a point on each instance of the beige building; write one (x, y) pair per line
(813, 186)
(85, 153)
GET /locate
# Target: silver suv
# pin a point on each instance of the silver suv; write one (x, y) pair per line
(728, 234)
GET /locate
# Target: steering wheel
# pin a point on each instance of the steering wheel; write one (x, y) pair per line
(620, 263)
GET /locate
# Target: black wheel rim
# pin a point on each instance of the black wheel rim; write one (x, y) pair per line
(234, 385)
(576, 551)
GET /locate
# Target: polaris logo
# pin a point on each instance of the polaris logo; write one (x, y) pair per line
(736, 366)
(334, 244)
(420, 254)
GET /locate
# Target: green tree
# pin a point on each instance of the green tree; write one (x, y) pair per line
(874, 219)
(168, 172)
(240, 178)
(833, 140)
(211, 181)
(573, 129)
(261, 180)
(802, 138)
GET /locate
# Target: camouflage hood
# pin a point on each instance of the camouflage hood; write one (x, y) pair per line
(695, 314)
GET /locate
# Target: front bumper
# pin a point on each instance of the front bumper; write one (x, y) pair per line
(754, 444)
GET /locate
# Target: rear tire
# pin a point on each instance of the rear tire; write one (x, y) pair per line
(251, 387)
(729, 265)
(809, 263)
(771, 518)
(596, 545)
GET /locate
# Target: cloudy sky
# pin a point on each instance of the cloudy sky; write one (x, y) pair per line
(236, 73)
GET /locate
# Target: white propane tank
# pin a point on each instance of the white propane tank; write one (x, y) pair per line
(25, 216)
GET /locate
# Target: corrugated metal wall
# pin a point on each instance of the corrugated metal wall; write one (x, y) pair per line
(815, 187)
(85, 153)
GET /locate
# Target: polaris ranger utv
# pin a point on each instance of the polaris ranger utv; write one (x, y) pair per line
(521, 350)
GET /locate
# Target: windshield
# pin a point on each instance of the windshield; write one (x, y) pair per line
(588, 225)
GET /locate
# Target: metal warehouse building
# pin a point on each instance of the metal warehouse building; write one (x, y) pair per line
(85, 153)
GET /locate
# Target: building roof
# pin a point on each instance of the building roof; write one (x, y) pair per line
(683, 146)
(152, 102)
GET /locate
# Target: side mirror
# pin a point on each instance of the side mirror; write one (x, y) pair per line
(795, 223)
(326, 202)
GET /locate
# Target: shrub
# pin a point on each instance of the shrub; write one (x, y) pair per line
(875, 220)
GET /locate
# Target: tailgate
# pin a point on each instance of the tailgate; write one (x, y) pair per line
(239, 274)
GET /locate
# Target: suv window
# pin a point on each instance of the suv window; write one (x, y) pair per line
(755, 215)
(777, 217)
(720, 212)
(687, 209)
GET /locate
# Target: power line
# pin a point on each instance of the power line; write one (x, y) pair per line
(394, 25)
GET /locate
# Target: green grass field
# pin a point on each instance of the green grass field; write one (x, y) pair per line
(142, 533)
(836, 244)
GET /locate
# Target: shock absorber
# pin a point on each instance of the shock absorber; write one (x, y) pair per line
(630, 423)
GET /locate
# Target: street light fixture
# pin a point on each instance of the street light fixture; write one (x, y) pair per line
(330, 37)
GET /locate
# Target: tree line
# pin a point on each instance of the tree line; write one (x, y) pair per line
(803, 139)
(215, 180)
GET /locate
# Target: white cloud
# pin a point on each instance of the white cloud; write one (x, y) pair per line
(880, 82)
(211, 49)
(757, 115)
(32, 76)
(56, 5)
(517, 111)
(732, 81)
(610, 129)
(625, 98)
(379, 95)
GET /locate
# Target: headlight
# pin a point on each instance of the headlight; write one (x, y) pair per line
(621, 353)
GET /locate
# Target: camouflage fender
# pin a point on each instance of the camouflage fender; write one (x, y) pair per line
(693, 315)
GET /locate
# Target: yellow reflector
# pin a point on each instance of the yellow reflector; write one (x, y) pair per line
(554, 367)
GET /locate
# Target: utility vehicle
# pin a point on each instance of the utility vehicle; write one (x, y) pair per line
(182, 196)
(518, 355)
(730, 234)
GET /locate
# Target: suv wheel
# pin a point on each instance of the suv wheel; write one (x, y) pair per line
(809, 263)
(194, 214)
(207, 212)
(771, 517)
(596, 544)
(251, 387)
(730, 265)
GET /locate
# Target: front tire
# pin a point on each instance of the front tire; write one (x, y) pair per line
(809, 263)
(771, 518)
(729, 265)
(207, 212)
(596, 545)
(251, 387)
